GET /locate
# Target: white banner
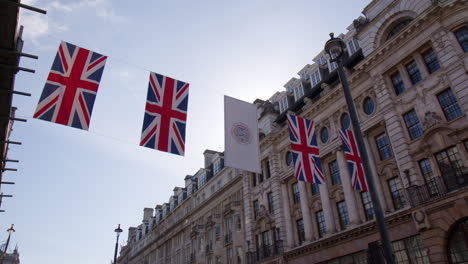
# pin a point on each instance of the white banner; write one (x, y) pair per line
(241, 135)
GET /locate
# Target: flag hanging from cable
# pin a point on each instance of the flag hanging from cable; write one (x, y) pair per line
(165, 114)
(304, 149)
(71, 87)
(241, 135)
(353, 158)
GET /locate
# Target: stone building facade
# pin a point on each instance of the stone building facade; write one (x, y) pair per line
(407, 65)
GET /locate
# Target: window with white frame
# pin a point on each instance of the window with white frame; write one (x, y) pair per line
(298, 92)
(333, 66)
(315, 77)
(217, 166)
(322, 60)
(353, 45)
(283, 104)
(304, 76)
(201, 179)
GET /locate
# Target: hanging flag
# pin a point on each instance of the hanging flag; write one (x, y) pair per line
(353, 158)
(71, 87)
(241, 135)
(165, 115)
(304, 149)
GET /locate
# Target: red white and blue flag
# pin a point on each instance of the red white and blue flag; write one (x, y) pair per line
(71, 87)
(165, 114)
(353, 158)
(304, 149)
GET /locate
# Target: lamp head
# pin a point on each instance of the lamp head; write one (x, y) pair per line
(334, 47)
(11, 229)
(118, 230)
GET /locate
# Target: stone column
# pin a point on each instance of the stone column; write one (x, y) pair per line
(287, 217)
(347, 189)
(327, 209)
(306, 215)
(375, 176)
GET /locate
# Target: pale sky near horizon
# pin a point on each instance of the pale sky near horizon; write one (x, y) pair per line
(73, 187)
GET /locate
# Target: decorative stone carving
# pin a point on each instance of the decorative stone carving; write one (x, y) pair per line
(421, 220)
(431, 119)
(360, 23)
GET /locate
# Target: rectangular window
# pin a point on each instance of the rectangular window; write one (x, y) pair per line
(343, 214)
(322, 60)
(230, 259)
(300, 231)
(430, 58)
(353, 46)
(333, 66)
(315, 188)
(322, 228)
(334, 172)
(449, 104)
(410, 250)
(260, 177)
(429, 177)
(296, 195)
(271, 205)
(413, 72)
(367, 204)
(256, 208)
(298, 92)
(316, 77)
(383, 145)
(396, 191)
(218, 233)
(238, 222)
(412, 123)
(254, 179)
(397, 82)
(462, 37)
(451, 168)
(283, 103)
(266, 168)
(239, 255)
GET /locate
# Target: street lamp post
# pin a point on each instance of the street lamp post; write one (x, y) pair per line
(118, 230)
(9, 230)
(335, 48)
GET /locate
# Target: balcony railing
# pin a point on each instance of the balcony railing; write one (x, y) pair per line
(228, 239)
(193, 257)
(435, 187)
(265, 252)
(209, 249)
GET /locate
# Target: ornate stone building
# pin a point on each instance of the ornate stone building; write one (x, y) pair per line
(407, 64)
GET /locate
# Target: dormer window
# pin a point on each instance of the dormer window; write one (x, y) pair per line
(315, 77)
(283, 104)
(217, 166)
(322, 60)
(304, 76)
(289, 89)
(298, 92)
(353, 46)
(333, 65)
(201, 179)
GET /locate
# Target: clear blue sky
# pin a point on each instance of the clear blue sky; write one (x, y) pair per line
(73, 187)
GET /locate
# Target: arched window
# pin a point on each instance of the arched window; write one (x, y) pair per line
(398, 27)
(458, 243)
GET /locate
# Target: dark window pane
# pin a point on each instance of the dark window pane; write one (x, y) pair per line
(345, 121)
(296, 195)
(412, 123)
(367, 204)
(369, 106)
(315, 188)
(398, 27)
(289, 158)
(256, 208)
(431, 60)
(324, 135)
(396, 191)
(334, 172)
(458, 243)
(397, 82)
(462, 37)
(300, 231)
(455, 175)
(449, 104)
(271, 205)
(383, 145)
(429, 177)
(322, 228)
(343, 214)
(413, 72)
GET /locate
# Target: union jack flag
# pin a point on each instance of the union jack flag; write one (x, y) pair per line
(71, 87)
(165, 115)
(304, 149)
(353, 158)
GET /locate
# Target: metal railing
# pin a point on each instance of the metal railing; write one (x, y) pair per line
(435, 187)
(265, 252)
(228, 239)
